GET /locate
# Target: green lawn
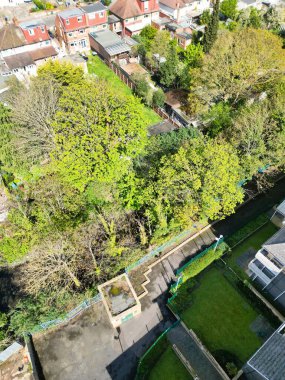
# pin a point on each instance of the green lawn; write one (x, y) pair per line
(221, 317)
(254, 241)
(169, 367)
(97, 67)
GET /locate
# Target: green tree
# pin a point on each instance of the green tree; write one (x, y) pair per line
(229, 8)
(158, 48)
(255, 18)
(205, 17)
(241, 64)
(63, 73)
(218, 119)
(97, 133)
(169, 70)
(142, 88)
(212, 27)
(158, 98)
(193, 55)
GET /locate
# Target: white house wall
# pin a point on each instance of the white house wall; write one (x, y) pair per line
(24, 48)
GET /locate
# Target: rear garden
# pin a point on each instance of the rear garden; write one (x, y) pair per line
(218, 305)
(97, 66)
(161, 362)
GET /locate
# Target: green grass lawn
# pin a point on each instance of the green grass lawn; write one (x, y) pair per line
(254, 241)
(97, 67)
(169, 367)
(221, 317)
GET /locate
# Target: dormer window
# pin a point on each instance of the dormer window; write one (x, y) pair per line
(146, 3)
(79, 19)
(101, 14)
(42, 29)
(31, 32)
(67, 21)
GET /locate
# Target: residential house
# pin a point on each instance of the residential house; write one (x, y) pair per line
(23, 47)
(181, 8)
(72, 26)
(135, 14)
(278, 218)
(115, 24)
(269, 360)
(268, 267)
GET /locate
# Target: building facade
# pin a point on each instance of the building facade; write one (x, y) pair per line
(74, 25)
(134, 15)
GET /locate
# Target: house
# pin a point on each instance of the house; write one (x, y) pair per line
(109, 45)
(134, 15)
(278, 218)
(23, 47)
(71, 30)
(175, 9)
(269, 360)
(268, 267)
(114, 24)
(72, 26)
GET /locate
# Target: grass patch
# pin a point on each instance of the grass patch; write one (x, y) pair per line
(221, 317)
(254, 241)
(169, 367)
(97, 67)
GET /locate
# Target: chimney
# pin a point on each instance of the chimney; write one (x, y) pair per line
(178, 12)
(15, 20)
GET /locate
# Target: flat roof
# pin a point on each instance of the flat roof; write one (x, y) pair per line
(269, 360)
(111, 42)
(74, 12)
(276, 245)
(96, 7)
(31, 23)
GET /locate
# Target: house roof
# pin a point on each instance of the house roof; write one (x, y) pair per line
(111, 42)
(112, 19)
(96, 7)
(74, 12)
(17, 61)
(125, 8)
(269, 360)
(45, 52)
(11, 36)
(281, 208)
(174, 3)
(276, 245)
(30, 24)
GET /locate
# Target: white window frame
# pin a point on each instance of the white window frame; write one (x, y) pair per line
(146, 5)
(79, 18)
(67, 21)
(101, 14)
(31, 32)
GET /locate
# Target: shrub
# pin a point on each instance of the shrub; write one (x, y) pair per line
(204, 260)
(158, 98)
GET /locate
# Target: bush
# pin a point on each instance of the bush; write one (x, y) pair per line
(206, 258)
(158, 98)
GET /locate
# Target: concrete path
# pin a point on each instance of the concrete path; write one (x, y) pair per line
(193, 354)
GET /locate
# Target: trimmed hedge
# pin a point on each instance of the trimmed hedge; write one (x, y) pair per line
(247, 230)
(202, 262)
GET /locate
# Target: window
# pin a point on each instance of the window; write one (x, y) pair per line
(81, 31)
(146, 3)
(91, 16)
(70, 34)
(67, 21)
(146, 16)
(101, 14)
(73, 43)
(104, 26)
(79, 19)
(83, 43)
(43, 29)
(31, 32)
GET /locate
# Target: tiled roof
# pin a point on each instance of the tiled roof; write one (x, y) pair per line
(174, 3)
(125, 8)
(11, 36)
(17, 61)
(42, 53)
(269, 360)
